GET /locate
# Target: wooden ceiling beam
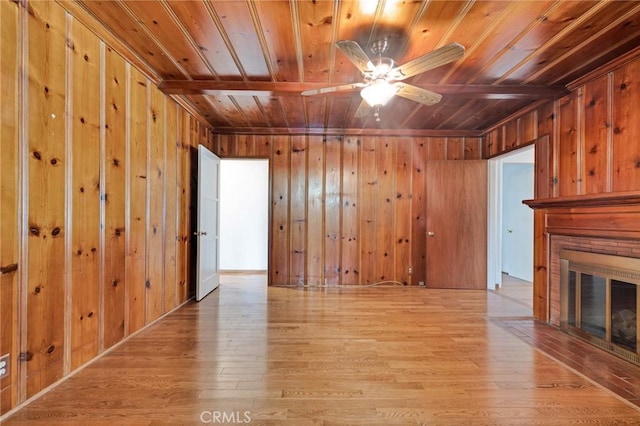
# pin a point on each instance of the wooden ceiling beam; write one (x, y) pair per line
(330, 131)
(267, 88)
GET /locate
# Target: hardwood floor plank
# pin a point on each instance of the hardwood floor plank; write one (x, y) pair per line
(362, 356)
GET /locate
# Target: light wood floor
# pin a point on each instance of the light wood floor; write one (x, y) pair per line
(518, 290)
(371, 356)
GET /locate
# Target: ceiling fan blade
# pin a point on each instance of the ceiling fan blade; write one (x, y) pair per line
(449, 53)
(355, 54)
(363, 110)
(417, 94)
(323, 90)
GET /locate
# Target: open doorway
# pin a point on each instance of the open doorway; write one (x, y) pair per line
(510, 239)
(244, 216)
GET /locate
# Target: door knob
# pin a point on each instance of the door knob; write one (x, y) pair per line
(198, 234)
(431, 234)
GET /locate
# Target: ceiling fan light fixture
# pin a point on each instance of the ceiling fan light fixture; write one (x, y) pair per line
(378, 93)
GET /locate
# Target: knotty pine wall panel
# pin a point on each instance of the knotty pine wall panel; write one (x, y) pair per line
(9, 181)
(137, 200)
(626, 127)
(569, 182)
(94, 158)
(182, 173)
(155, 176)
(402, 195)
(85, 64)
(298, 209)
(332, 203)
(314, 240)
(345, 209)
(48, 165)
(350, 210)
(368, 192)
(280, 214)
(115, 190)
(596, 153)
(419, 156)
(171, 208)
(384, 211)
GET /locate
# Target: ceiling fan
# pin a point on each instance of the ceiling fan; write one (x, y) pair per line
(383, 80)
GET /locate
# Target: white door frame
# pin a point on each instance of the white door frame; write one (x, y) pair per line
(494, 204)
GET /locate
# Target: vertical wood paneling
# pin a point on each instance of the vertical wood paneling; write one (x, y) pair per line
(511, 134)
(568, 146)
(332, 209)
(455, 149)
(263, 146)
(183, 152)
(181, 257)
(368, 194)
(137, 226)
(46, 196)
(527, 128)
(350, 211)
(596, 129)
(114, 198)
(419, 152)
(171, 208)
(315, 210)
(191, 167)
(85, 194)
(542, 164)
(385, 159)
(546, 127)
(9, 200)
(94, 141)
(402, 206)
(280, 228)
(540, 267)
(155, 228)
(244, 145)
(473, 148)
(298, 210)
(437, 149)
(626, 127)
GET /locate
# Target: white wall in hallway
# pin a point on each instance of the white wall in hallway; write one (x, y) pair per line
(244, 215)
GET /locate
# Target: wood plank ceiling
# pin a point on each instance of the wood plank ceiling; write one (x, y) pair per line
(242, 64)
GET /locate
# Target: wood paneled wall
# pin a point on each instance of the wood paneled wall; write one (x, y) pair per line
(587, 144)
(96, 184)
(347, 210)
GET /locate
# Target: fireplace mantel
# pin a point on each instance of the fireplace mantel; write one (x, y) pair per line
(601, 216)
(594, 200)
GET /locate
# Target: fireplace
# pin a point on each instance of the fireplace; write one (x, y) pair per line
(599, 298)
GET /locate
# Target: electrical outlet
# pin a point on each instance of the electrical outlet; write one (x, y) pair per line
(421, 283)
(410, 271)
(4, 366)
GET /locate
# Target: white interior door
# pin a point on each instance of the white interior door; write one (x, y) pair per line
(208, 229)
(517, 232)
